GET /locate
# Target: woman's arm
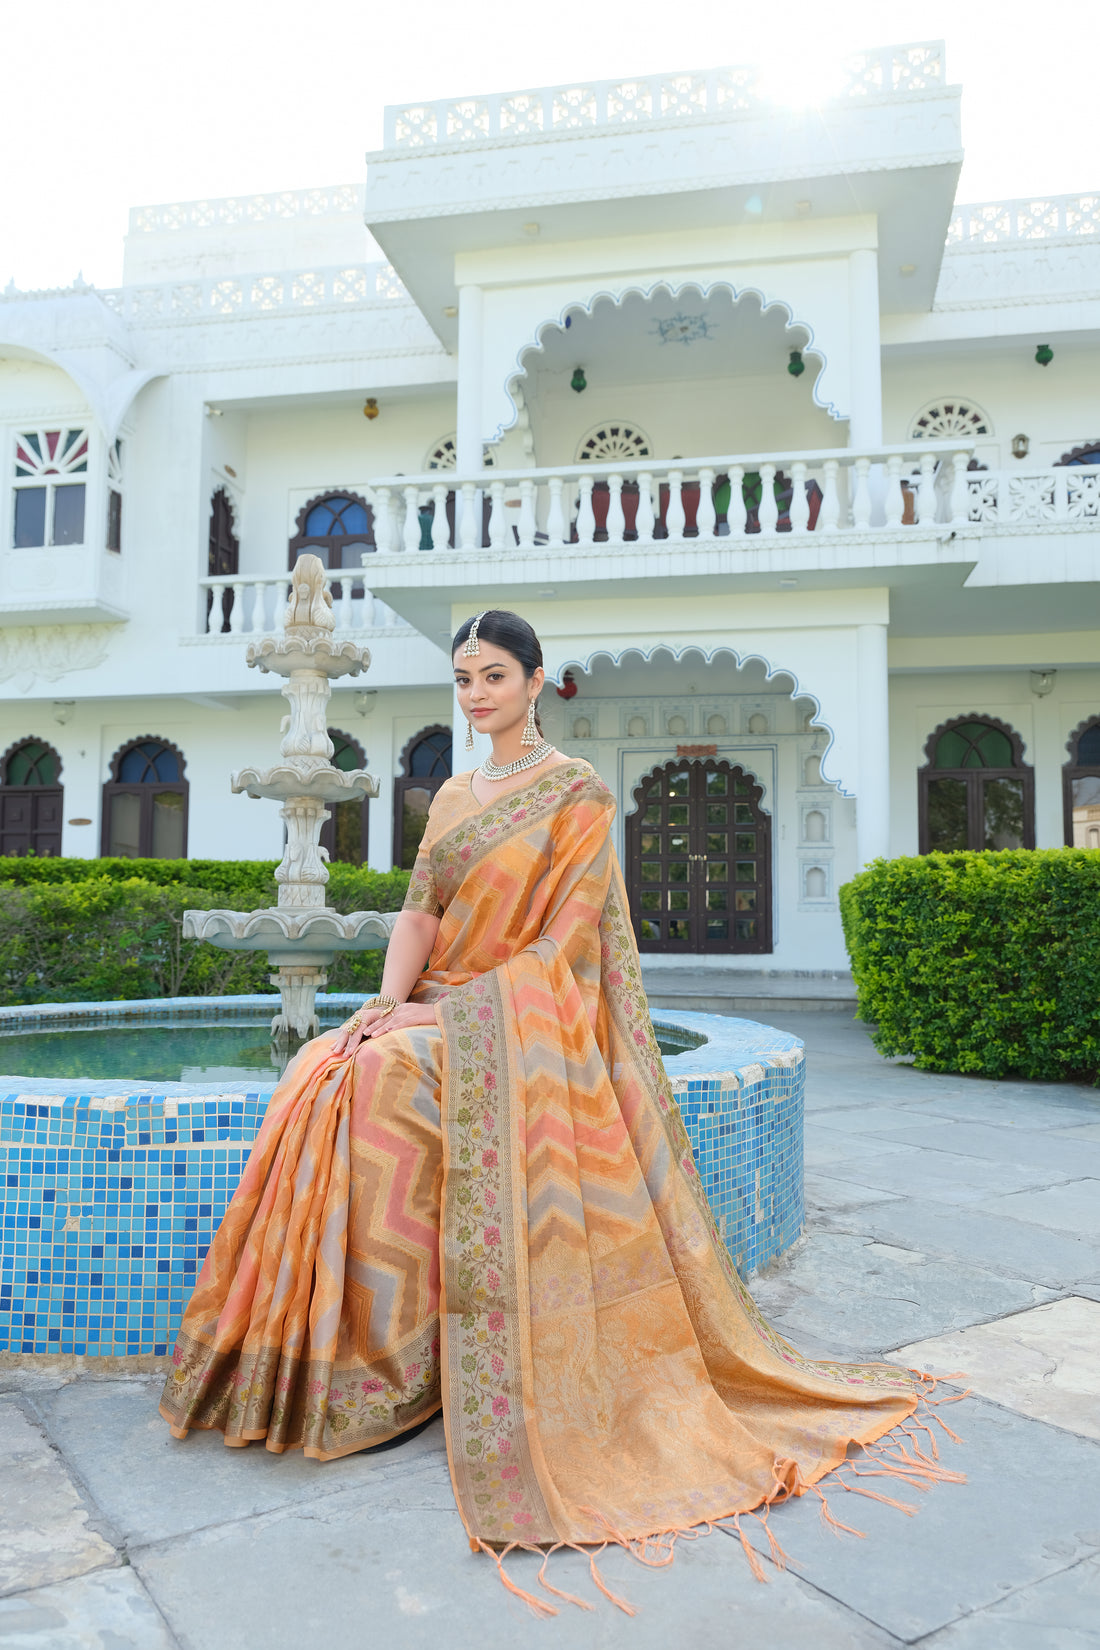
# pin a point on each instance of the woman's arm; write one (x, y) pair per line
(409, 949)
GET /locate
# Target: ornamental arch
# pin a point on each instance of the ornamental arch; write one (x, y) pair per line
(31, 799)
(145, 801)
(975, 789)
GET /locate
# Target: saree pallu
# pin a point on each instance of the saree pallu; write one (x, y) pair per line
(501, 1216)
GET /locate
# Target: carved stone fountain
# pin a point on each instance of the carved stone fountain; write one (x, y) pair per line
(301, 934)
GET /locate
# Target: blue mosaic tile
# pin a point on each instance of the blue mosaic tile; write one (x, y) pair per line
(110, 1199)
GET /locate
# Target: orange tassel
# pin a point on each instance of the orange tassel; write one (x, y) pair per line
(749, 1550)
(627, 1609)
(537, 1605)
(570, 1598)
(834, 1523)
(779, 1557)
(951, 1434)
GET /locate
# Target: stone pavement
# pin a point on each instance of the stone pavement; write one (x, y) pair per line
(953, 1222)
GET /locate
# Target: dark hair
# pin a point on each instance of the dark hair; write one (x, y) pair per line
(508, 631)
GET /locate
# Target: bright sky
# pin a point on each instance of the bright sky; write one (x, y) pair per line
(132, 102)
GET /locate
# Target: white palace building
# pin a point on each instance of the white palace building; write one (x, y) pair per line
(793, 463)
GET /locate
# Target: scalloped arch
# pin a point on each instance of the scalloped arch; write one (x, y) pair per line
(1014, 738)
(1071, 743)
(141, 739)
(648, 291)
(18, 744)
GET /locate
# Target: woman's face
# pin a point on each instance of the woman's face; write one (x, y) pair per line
(492, 688)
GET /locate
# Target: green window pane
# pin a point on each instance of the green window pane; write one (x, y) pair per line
(717, 842)
(678, 813)
(678, 900)
(651, 872)
(973, 745)
(717, 928)
(652, 815)
(717, 899)
(716, 813)
(745, 870)
(32, 764)
(650, 930)
(947, 815)
(745, 899)
(718, 870)
(678, 870)
(1003, 824)
(746, 928)
(743, 814)
(717, 784)
(678, 783)
(679, 928)
(651, 899)
(651, 842)
(745, 842)
(742, 787)
(677, 844)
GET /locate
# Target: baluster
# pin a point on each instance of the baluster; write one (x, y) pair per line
(829, 515)
(769, 507)
(800, 504)
(347, 584)
(737, 515)
(706, 516)
(527, 515)
(369, 609)
(412, 519)
(926, 490)
(895, 503)
(284, 593)
(257, 618)
(468, 533)
(496, 515)
(646, 518)
(675, 518)
(616, 520)
(236, 612)
(555, 515)
(441, 531)
(861, 505)
(586, 520)
(383, 519)
(960, 490)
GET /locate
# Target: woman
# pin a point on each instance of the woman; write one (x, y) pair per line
(478, 1195)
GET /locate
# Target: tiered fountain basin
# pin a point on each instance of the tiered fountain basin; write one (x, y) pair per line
(114, 1187)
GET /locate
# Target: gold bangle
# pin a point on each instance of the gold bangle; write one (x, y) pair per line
(382, 1001)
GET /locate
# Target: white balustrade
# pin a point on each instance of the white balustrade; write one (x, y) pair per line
(674, 513)
(768, 510)
(527, 522)
(616, 518)
(705, 515)
(258, 605)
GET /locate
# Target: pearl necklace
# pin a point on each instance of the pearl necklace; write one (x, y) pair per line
(539, 754)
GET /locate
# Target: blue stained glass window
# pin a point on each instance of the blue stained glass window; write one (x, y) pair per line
(337, 516)
(148, 763)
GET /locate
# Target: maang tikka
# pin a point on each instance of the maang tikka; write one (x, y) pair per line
(473, 646)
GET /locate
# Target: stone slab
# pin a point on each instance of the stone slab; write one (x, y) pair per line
(863, 1120)
(109, 1610)
(1083, 1131)
(153, 1486)
(44, 1534)
(1044, 1362)
(849, 1293)
(329, 1574)
(1068, 1208)
(1033, 1148)
(945, 1177)
(1030, 1507)
(1043, 1106)
(824, 1193)
(825, 1147)
(1060, 1613)
(1009, 1247)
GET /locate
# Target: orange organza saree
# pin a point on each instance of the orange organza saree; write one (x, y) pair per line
(501, 1216)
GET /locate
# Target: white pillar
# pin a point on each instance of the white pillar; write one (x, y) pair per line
(873, 796)
(471, 316)
(865, 401)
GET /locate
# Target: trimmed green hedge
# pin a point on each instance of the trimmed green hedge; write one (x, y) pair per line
(110, 929)
(981, 962)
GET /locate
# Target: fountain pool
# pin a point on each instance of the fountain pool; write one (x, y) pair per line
(114, 1185)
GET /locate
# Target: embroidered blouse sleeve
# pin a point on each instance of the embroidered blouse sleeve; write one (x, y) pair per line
(422, 894)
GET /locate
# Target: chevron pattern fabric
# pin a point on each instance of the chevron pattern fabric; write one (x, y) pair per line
(503, 1216)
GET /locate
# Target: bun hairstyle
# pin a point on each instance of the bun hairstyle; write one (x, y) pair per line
(510, 633)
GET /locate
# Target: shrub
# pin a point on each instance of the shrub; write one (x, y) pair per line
(981, 962)
(95, 934)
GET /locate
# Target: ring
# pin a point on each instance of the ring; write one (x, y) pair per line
(354, 1023)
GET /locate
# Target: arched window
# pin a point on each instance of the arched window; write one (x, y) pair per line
(1089, 453)
(345, 834)
(145, 802)
(31, 800)
(1081, 785)
(425, 766)
(976, 790)
(334, 526)
(51, 472)
(223, 554)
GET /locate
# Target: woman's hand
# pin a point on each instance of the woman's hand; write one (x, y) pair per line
(376, 1021)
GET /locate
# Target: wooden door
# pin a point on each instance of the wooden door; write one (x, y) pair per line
(30, 820)
(699, 861)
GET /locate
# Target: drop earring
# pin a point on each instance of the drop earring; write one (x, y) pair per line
(469, 735)
(530, 732)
